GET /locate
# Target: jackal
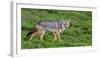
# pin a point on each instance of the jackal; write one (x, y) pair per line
(56, 27)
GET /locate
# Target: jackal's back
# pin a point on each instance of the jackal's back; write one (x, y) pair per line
(52, 25)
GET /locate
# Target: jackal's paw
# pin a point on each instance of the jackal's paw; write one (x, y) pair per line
(42, 40)
(54, 40)
(60, 40)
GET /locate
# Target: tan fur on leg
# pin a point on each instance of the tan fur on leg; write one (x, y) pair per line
(55, 36)
(58, 34)
(33, 35)
(42, 35)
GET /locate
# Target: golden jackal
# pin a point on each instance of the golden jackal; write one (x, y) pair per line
(56, 27)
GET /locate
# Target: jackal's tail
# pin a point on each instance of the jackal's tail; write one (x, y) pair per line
(31, 32)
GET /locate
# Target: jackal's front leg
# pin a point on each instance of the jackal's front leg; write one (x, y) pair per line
(58, 34)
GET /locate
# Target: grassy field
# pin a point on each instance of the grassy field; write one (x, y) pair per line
(78, 34)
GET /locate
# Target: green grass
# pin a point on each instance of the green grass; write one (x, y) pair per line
(78, 34)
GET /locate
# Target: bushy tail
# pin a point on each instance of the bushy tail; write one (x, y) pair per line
(31, 32)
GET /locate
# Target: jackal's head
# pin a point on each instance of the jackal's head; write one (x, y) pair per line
(67, 23)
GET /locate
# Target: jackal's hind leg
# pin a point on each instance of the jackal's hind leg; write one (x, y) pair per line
(42, 35)
(55, 36)
(32, 36)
